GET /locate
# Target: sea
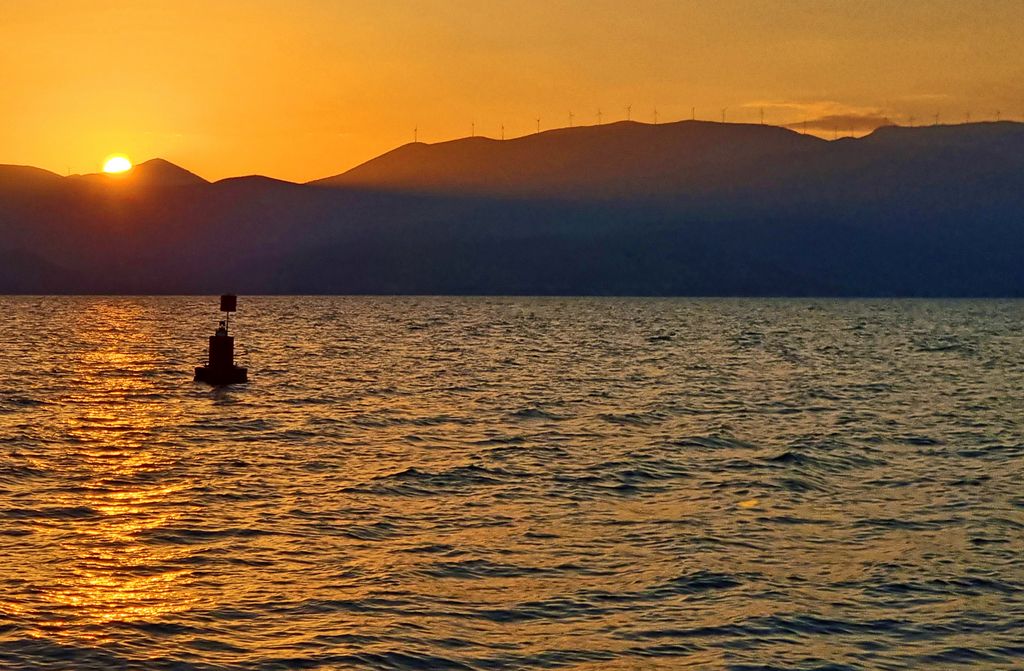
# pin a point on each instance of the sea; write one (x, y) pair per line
(512, 483)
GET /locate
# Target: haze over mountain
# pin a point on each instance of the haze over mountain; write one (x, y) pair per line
(688, 208)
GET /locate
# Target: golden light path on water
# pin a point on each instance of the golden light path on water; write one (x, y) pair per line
(107, 572)
(413, 483)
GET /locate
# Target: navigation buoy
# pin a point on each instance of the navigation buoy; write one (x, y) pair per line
(221, 368)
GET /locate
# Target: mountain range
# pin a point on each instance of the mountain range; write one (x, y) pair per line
(687, 208)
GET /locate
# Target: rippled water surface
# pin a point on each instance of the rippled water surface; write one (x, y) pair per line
(431, 483)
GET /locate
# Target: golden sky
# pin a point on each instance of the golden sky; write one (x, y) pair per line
(301, 89)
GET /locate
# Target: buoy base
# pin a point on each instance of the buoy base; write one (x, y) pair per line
(221, 375)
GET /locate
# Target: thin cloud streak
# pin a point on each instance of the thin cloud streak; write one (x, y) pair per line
(856, 123)
(824, 117)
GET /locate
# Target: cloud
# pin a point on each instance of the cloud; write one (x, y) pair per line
(926, 98)
(824, 116)
(809, 108)
(857, 123)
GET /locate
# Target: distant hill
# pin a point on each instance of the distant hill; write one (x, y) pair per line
(156, 172)
(690, 158)
(689, 208)
(624, 159)
(164, 173)
(15, 178)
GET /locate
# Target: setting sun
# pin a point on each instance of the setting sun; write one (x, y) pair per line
(117, 164)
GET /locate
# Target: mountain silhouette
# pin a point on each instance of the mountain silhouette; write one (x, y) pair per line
(159, 172)
(155, 172)
(624, 159)
(15, 178)
(689, 208)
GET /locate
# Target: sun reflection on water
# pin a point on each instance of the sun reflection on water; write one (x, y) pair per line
(110, 565)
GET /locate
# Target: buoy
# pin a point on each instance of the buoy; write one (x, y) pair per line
(220, 369)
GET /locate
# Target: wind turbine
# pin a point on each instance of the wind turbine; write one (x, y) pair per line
(629, 112)
(599, 115)
(655, 116)
(571, 115)
(416, 134)
(538, 124)
(723, 114)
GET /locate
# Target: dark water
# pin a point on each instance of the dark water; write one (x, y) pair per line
(513, 484)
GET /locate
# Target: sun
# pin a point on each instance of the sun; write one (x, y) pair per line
(117, 164)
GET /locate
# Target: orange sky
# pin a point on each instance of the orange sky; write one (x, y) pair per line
(301, 89)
